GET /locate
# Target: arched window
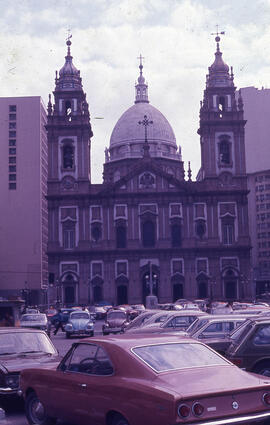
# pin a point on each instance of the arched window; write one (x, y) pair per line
(224, 152)
(148, 233)
(176, 235)
(200, 228)
(96, 231)
(228, 234)
(68, 157)
(221, 104)
(68, 108)
(121, 237)
(69, 234)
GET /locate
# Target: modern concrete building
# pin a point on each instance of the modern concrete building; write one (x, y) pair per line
(23, 187)
(148, 227)
(257, 131)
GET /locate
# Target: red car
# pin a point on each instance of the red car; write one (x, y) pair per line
(150, 380)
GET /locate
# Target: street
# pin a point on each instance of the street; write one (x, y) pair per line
(14, 407)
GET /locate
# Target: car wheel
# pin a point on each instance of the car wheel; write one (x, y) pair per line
(262, 368)
(119, 420)
(35, 411)
(67, 335)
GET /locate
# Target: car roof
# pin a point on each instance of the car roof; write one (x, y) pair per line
(130, 340)
(11, 330)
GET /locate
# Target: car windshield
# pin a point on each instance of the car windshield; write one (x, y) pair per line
(33, 318)
(116, 315)
(171, 356)
(79, 316)
(197, 324)
(23, 342)
(240, 332)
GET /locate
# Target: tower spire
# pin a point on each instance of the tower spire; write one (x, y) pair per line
(141, 88)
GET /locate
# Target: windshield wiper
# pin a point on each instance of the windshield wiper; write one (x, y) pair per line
(36, 352)
(5, 354)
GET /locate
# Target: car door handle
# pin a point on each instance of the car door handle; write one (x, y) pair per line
(83, 385)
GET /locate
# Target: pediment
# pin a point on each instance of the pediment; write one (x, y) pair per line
(145, 177)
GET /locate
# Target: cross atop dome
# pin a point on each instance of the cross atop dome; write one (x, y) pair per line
(141, 88)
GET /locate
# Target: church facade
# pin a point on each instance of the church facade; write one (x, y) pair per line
(148, 228)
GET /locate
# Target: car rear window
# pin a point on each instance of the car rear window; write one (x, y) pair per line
(164, 357)
(79, 316)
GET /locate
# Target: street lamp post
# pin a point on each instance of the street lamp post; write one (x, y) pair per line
(243, 281)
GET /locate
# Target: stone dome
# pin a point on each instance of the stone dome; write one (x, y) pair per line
(128, 135)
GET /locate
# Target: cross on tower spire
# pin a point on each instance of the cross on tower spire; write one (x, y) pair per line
(217, 38)
(145, 122)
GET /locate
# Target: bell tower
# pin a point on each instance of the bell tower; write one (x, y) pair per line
(69, 132)
(221, 123)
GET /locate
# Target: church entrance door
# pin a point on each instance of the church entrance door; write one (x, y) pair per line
(122, 296)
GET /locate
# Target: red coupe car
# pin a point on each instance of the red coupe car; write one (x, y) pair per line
(150, 380)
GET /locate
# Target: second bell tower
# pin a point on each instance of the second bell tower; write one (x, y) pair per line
(221, 124)
(69, 132)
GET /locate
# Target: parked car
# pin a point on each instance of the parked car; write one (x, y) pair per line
(79, 324)
(150, 380)
(222, 343)
(100, 312)
(20, 349)
(251, 351)
(115, 321)
(214, 326)
(36, 321)
(140, 320)
(174, 321)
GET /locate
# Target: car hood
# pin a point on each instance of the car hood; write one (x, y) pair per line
(79, 323)
(26, 361)
(32, 324)
(115, 322)
(200, 380)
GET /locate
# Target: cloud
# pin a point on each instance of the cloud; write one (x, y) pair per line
(174, 36)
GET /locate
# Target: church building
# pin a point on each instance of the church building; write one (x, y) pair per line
(148, 228)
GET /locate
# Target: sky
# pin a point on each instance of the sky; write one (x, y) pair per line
(174, 36)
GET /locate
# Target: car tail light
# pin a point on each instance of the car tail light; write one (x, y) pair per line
(183, 410)
(236, 361)
(197, 409)
(266, 398)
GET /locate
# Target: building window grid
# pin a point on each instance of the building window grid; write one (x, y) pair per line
(12, 150)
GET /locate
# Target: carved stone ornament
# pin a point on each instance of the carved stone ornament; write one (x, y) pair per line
(68, 183)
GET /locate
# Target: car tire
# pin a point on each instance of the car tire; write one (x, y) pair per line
(119, 420)
(67, 335)
(35, 411)
(262, 368)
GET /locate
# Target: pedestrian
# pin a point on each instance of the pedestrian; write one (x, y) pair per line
(58, 318)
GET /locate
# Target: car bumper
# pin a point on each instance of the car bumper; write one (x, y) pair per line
(257, 418)
(8, 390)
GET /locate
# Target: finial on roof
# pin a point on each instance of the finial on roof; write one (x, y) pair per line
(68, 42)
(141, 88)
(217, 38)
(189, 172)
(219, 70)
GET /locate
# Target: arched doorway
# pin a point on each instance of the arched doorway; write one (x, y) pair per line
(230, 285)
(202, 286)
(69, 283)
(122, 294)
(146, 284)
(177, 287)
(97, 294)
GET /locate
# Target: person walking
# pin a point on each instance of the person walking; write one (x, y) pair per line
(58, 318)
